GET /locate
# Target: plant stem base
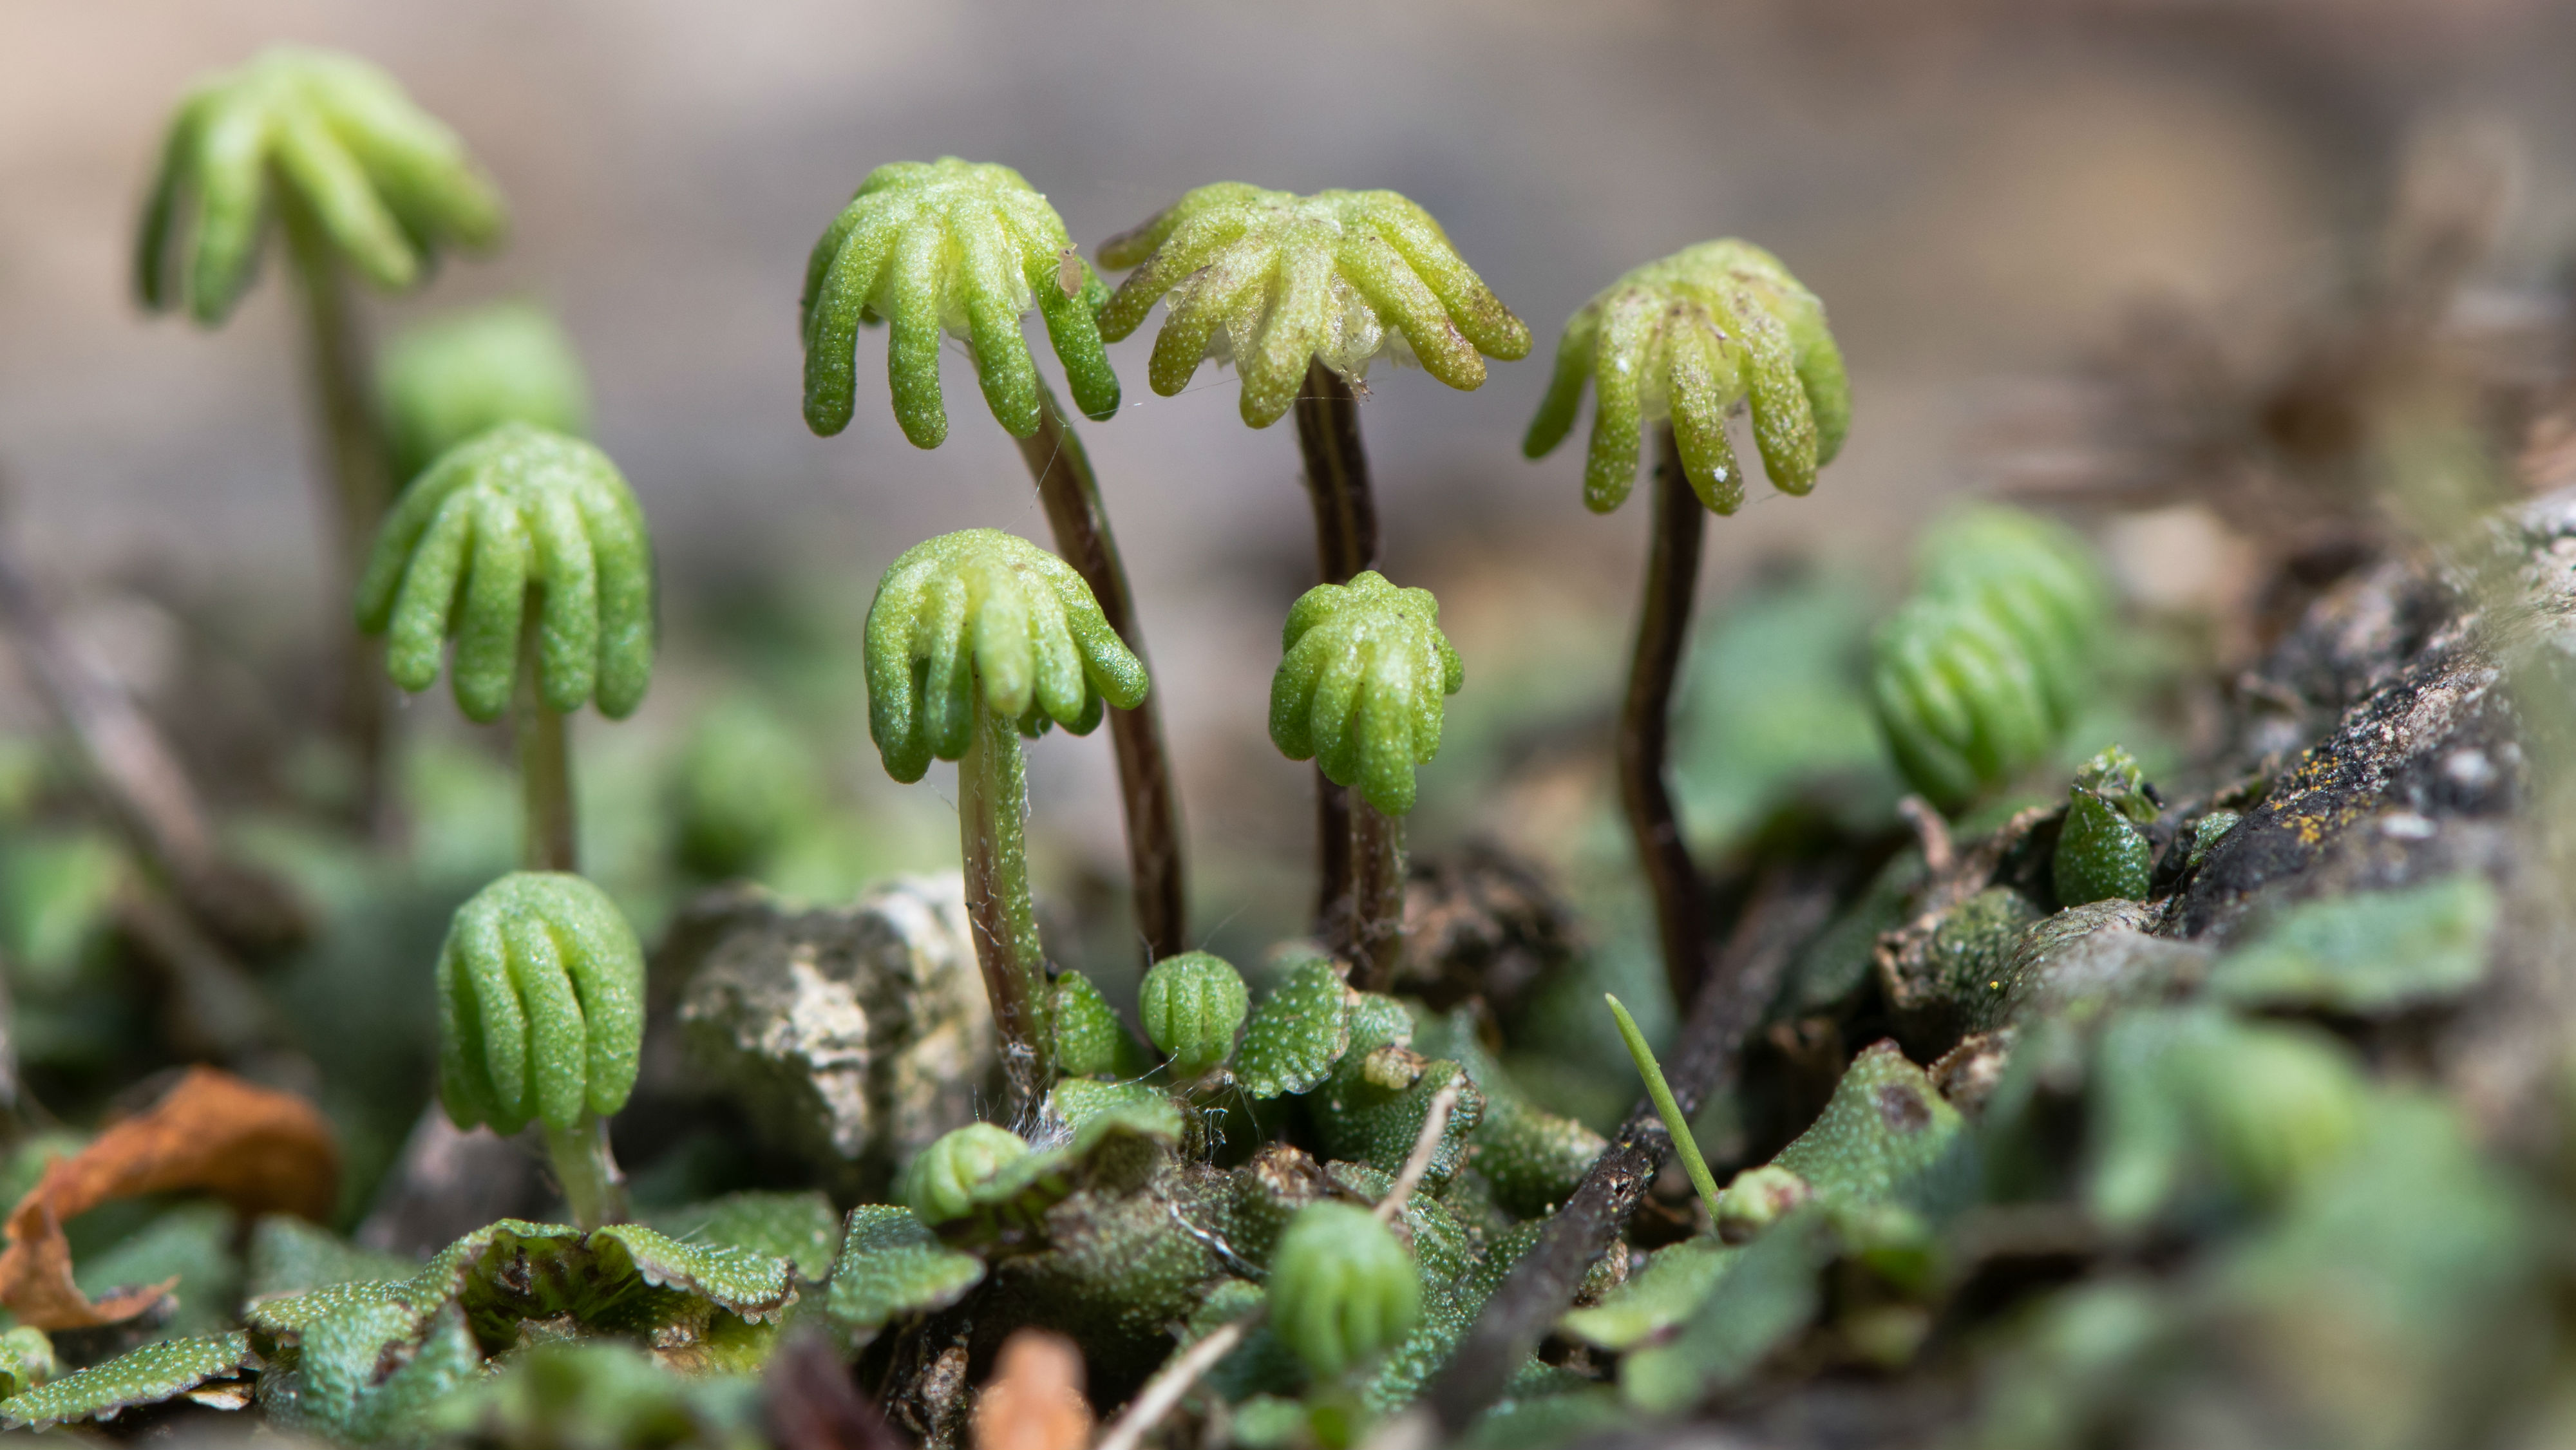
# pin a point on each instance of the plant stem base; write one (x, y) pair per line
(593, 1187)
(1369, 931)
(992, 809)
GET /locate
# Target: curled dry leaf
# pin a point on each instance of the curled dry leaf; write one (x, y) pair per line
(258, 1150)
(1034, 1400)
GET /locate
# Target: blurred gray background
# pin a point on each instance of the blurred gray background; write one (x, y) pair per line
(1976, 189)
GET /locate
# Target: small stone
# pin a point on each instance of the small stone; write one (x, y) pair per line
(853, 1036)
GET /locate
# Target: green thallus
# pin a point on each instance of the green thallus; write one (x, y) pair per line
(967, 250)
(2101, 852)
(1301, 293)
(361, 180)
(1677, 344)
(974, 638)
(541, 1017)
(528, 548)
(1362, 686)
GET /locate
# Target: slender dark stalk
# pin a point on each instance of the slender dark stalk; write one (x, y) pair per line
(1370, 935)
(992, 811)
(550, 833)
(1156, 873)
(1645, 722)
(1337, 481)
(359, 493)
(1788, 907)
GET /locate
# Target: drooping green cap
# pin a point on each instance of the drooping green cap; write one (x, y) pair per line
(389, 185)
(541, 1004)
(450, 378)
(1362, 685)
(515, 511)
(2035, 577)
(1342, 1290)
(1270, 280)
(940, 1183)
(980, 608)
(1193, 1004)
(1687, 338)
(961, 248)
(1978, 674)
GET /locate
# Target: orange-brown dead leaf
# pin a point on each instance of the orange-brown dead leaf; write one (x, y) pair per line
(1034, 1399)
(258, 1150)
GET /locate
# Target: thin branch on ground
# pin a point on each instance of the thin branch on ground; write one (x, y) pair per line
(1435, 1121)
(1789, 906)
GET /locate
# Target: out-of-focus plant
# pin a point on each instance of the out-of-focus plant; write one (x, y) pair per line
(1979, 673)
(359, 180)
(541, 1017)
(1342, 1290)
(975, 638)
(967, 249)
(745, 782)
(528, 549)
(1362, 686)
(447, 379)
(1301, 293)
(1677, 344)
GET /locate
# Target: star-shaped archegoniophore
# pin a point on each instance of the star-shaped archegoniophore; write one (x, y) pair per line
(1686, 338)
(980, 608)
(541, 1004)
(1362, 684)
(1271, 280)
(515, 510)
(388, 184)
(957, 247)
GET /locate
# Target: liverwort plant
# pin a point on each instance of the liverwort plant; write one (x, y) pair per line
(1193, 1005)
(1362, 687)
(1677, 344)
(956, 248)
(1301, 293)
(976, 638)
(529, 550)
(541, 1017)
(1342, 1288)
(359, 180)
(447, 379)
(1979, 674)
(940, 1182)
